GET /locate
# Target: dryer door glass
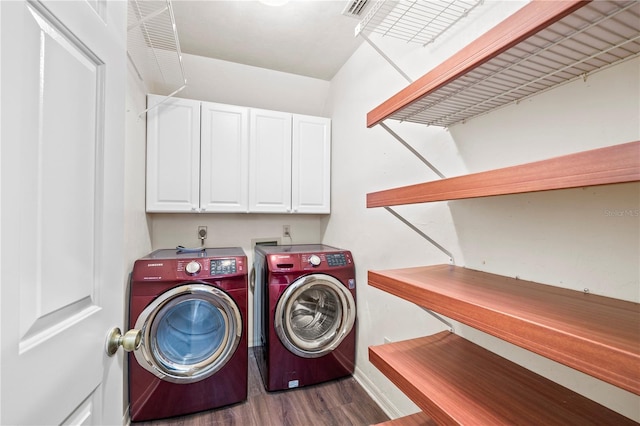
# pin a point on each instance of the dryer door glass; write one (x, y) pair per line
(189, 333)
(314, 314)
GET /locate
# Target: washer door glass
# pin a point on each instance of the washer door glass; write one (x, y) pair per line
(314, 315)
(189, 333)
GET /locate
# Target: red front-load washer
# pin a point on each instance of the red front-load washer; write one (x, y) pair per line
(191, 308)
(304, 314)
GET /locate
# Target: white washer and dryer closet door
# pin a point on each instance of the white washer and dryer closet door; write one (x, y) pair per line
(63, 82)
(188, 333)
(314, 315)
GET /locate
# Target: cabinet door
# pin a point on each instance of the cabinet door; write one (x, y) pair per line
(311, 165)
(173, 155)
(224, 167)
(270, 161)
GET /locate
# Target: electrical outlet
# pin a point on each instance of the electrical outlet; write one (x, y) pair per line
(286, 231)
(202, 232)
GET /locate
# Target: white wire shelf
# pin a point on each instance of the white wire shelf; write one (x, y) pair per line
(153, 46)
(414, 21)
(593, 37)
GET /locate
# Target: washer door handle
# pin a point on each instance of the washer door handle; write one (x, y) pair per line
(130, 341)
(252, 279)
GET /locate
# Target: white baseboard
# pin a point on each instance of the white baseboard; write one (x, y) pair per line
(377, 395)
(126, 420)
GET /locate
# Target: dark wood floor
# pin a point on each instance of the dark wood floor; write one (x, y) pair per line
(340, 402)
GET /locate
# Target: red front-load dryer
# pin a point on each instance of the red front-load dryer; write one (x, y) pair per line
(304, 314)
(191, 308)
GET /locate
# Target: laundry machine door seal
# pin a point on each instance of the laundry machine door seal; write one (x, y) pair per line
(314, 315)
(188, 333)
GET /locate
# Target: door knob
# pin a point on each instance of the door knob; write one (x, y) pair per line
(130, 341)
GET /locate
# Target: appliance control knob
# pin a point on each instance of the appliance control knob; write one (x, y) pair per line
(314, 260)
(193, 267)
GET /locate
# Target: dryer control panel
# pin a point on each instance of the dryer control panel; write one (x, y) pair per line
(309, 261)
(184, 269)
(326, 259)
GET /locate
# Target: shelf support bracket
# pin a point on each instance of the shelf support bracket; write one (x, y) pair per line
(410, 148)
(422, 234)
(439, 318)
(162, 101)
(388, 59)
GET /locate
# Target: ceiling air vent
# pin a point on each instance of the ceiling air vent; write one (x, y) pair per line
(355, 8)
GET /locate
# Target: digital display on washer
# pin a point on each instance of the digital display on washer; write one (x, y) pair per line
(223, 266)
(337, 259)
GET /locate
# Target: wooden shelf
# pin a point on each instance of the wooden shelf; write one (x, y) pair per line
(457, 382)
(543, 44)
(609, 165)
(597, 335)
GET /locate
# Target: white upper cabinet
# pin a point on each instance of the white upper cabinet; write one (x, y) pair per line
(270, 162)
(290, 163)
(208, 157)
(173, 155)
(197, 158)
(224, 153)
(310, 165)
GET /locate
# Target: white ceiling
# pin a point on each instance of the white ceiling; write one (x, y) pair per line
(306, 37)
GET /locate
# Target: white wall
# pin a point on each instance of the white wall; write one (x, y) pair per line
(562, 238)
(232, 229)
(225, 82)
(136, 227)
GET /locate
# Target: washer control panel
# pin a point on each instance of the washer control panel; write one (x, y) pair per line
(209, 267)
(212, 263)
(223, 266)
(336, 259)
